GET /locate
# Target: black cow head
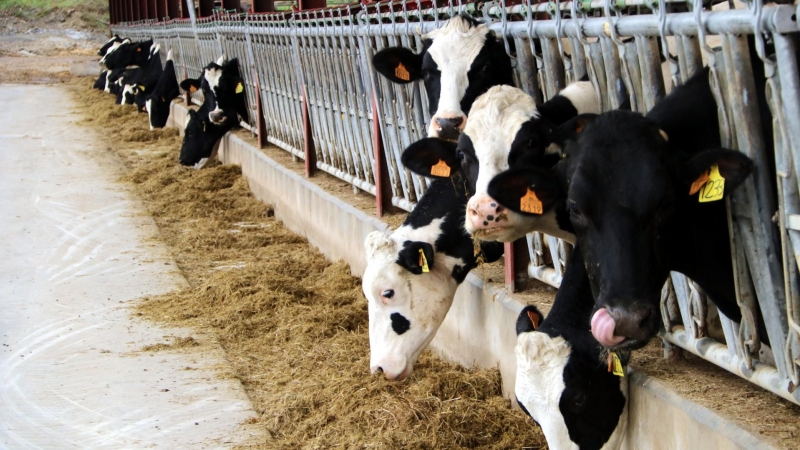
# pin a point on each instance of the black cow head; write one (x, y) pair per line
(459, 62)
(108, 44)
(127, 54)
(158, 101)
(629, 202)
(223, 89)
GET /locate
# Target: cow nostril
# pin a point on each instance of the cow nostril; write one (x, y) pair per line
(500, 209)
(379, 369)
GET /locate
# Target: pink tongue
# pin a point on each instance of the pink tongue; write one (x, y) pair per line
(603, 328)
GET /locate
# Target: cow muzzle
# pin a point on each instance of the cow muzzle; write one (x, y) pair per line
(484, 214)
(217, 116)
(625, 328)
(448, 127)
(393, 369)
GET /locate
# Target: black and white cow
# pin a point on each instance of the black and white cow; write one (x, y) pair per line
(100, 83)
(112, 81)
(459, 62)
(127, 54)
(505, 128)
(563, 380)
(116, 39)
(148, 78)
(222, 110)
(408, 303)
(126, 93)
(627, 185)
(160, 97)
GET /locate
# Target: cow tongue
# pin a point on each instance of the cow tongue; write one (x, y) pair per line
(603, 328)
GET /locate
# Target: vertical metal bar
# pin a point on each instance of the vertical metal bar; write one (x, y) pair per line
(508, 266)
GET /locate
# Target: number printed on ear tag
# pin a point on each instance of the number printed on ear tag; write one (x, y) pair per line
(530, 203)
(714, 188)
(401, 72)
(423, 262)
(440, 169)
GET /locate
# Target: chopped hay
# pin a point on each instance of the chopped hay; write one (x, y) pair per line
(177, 343)
(293, 325)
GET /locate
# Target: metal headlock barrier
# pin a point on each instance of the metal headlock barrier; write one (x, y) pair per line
(309, 74)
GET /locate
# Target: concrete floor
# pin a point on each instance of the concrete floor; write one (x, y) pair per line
(76, 251)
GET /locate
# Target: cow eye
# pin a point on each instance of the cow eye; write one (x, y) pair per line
(387, 294)
(574, 210)
(460, 155)
(579, 400)
(486, 68)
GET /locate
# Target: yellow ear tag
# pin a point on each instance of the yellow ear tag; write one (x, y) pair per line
(616, 365)
(401, 72)
(239, 88)
(714, 188)
(141, 88)
(440, 169)
(192, 89)
(423, 262)
(530, 203)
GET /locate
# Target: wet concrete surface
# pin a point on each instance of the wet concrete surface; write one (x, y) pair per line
(76, 250)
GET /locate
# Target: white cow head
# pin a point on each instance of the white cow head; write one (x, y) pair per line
(566, 388)
(405, 308)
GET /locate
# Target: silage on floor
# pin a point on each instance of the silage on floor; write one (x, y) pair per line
(293, 325)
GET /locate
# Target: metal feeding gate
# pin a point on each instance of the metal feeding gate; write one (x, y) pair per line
(309, 73)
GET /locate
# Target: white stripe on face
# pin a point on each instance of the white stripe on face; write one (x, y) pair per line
(213, 76)
(455, 46)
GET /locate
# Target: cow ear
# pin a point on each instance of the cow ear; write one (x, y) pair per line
(190, 84)
(398, 64)
(559, 136)
(416, 257)
(529, 191)
(431, 157)
(733, 166)
(529, 319)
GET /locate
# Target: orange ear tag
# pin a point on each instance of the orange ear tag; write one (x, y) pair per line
(440, 169)
(401, 72)
(138, 49)
(698, 183)
(530, 203)
(192, 89)
(534, 318)
(423, 262)
(239, 88)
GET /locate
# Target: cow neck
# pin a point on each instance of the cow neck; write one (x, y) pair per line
(445, 198)
(572, 308)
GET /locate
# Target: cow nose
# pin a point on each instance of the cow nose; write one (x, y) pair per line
(392, 369)
(612, 325)
(484, 213)
(449, 127)
(217, 116)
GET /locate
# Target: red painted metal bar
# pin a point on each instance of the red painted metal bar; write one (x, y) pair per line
(311, 4)
(152, 12)
(161, 9)
(263, 6)
(111, 18)
(262, 125)
(184, 10)
(133, 10)
(206, 8)
(174, 9)
(231, 4)
(508, 263)
(308, 140)
(377, 147)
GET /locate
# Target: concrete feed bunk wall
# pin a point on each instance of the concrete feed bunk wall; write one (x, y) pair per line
(479, 329)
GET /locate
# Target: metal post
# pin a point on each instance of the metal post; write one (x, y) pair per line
(231, 4)
(261, 123)
(508, 264)
(174, 9)
(150, 11)
(312, 4)
(310, 153)
(161, 9)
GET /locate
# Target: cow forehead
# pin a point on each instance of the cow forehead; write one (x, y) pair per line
(456, 44)
(497, 116)
(213, 76)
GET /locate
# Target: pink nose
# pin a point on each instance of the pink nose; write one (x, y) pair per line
(449, 126)
(398, 374)
(484, 213)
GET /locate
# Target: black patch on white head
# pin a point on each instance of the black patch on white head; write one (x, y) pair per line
(399, 323)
